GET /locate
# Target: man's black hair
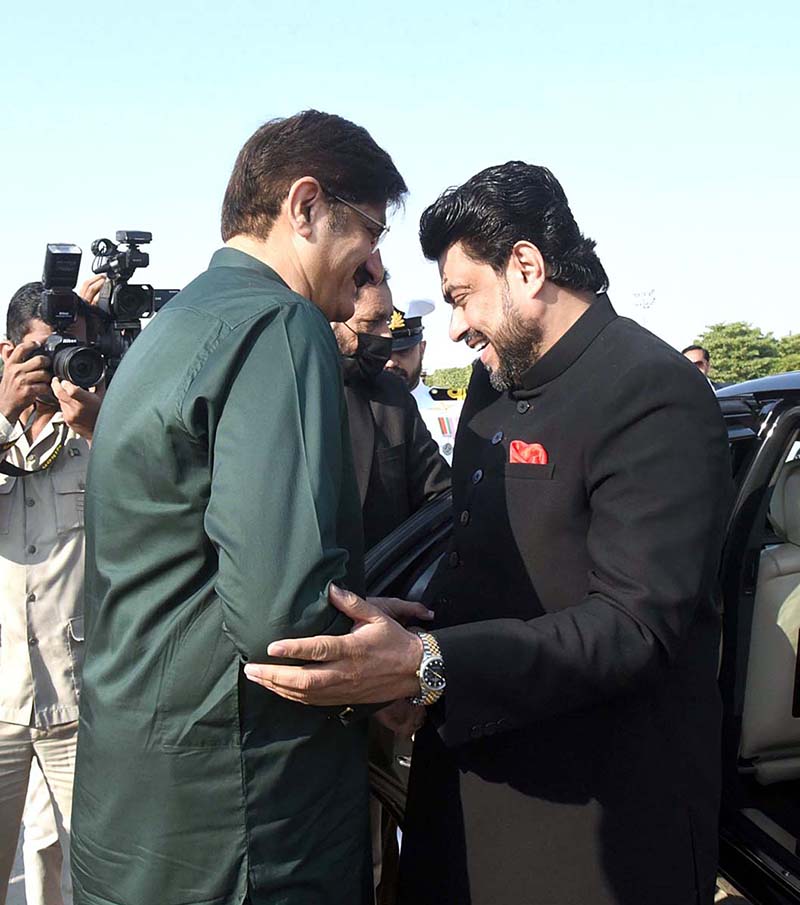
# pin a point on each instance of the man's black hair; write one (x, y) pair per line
(22, 309)
(341, 156)
(503, 205)
(697, 348)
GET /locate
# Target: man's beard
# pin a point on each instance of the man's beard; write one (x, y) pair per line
(516, 344)
(413, 378)
(410, 379)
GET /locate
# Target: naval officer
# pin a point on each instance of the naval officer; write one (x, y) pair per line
(440, 408)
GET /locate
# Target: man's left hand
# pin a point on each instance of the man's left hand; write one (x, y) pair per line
(80, 407)
(90, 289)
(376, 662)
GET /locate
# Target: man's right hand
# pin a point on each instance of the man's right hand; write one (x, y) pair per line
(23, 381)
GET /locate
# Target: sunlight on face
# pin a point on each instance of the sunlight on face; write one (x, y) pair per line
(487, 318)
(344, 249)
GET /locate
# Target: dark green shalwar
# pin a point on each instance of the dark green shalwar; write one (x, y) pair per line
(221, 502)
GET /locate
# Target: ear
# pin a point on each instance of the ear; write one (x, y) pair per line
(6, 348)
(422, 344)
(526, 266)
(304, 194)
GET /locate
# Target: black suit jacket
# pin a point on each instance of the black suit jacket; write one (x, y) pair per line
(575, 755)
(398, 465)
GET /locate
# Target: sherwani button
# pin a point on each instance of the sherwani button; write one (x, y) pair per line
(464, 517)
(523, 406)
(497, 438)
(477, 476)
(454, 559)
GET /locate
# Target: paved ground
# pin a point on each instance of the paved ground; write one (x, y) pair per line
(16, 888)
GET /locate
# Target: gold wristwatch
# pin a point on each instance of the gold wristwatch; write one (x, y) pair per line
(430, 672)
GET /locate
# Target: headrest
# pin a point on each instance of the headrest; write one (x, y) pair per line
(784, 507)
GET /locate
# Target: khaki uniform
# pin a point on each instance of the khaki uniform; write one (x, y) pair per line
(42, 854)
(41, 620)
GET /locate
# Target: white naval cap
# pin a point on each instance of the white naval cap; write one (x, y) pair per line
(418, 308)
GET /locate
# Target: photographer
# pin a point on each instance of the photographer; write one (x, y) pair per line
(46, 427)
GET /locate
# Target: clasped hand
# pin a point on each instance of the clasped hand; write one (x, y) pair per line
(376, 662)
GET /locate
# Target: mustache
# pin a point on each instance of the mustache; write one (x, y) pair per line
(473, 336)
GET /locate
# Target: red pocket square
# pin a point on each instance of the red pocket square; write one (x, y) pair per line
(527, 453)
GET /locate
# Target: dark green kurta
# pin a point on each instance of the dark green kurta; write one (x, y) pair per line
(221, 502)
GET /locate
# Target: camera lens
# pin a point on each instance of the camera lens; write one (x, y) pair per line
(81, 365)
(132, 302)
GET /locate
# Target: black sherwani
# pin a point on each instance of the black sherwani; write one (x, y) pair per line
(574, 759)
(398, 465)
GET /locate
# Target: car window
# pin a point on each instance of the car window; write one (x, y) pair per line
(794, 451)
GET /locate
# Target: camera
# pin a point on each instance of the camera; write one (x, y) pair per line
(69, 359)
(72, 360)
(124, 305)
(113, 323)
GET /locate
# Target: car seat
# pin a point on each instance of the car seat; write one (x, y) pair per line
(770, 738)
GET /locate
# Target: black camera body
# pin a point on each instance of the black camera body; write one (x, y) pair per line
(125, 304)
(70, 359)
(113, 323)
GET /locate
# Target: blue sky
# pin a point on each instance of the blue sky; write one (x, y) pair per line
(673, 127)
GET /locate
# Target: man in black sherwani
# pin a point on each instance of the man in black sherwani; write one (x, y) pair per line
(570, 756)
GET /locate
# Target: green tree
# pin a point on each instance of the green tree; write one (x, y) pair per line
(740, 351)
(789, 352)
(454, 378)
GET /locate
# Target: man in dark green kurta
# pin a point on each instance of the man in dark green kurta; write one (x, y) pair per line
(221, 504)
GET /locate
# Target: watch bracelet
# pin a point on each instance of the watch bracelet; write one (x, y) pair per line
(430, 648)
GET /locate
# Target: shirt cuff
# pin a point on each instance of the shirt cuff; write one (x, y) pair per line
(6, 428)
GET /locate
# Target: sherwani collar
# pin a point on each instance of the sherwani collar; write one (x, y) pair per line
(571, 346)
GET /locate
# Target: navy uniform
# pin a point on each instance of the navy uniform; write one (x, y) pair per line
(440, 408)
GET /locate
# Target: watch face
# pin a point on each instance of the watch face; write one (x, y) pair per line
(433, 673)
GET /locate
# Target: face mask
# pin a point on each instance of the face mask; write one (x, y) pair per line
(372, 353)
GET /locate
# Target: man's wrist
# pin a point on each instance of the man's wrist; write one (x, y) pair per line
(431, 672)
(416, 653)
